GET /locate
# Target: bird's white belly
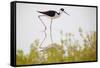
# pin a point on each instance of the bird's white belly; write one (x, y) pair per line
(56, 15)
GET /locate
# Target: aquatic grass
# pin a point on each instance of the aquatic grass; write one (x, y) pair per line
(55, 53)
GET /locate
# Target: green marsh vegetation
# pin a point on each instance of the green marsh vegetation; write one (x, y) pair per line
(56, 53)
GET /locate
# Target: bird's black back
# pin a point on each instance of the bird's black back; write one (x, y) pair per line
(50, 13)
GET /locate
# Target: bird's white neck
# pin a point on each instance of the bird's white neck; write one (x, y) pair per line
(60, 12)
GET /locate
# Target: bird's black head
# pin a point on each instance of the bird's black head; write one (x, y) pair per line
(62, 9)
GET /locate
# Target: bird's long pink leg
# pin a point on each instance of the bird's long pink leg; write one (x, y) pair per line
(44, 30)
(51, 31)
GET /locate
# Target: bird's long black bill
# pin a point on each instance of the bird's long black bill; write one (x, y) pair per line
(66, 13)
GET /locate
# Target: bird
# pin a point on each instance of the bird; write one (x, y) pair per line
(52, 14)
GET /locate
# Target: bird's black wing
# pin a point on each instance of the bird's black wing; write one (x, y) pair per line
(48, 13)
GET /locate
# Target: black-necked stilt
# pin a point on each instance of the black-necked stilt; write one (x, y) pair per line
(52, 14)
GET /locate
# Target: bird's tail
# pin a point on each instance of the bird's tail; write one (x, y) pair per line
(39, 11)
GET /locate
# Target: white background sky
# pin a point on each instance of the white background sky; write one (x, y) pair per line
(29, 27)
